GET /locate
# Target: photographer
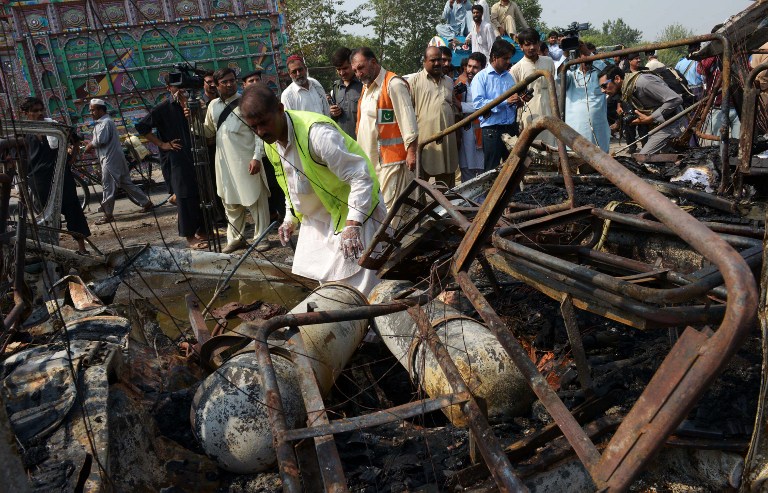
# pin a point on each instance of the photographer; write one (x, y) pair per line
(652, 100)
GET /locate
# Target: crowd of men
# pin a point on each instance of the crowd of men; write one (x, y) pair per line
(335, 161)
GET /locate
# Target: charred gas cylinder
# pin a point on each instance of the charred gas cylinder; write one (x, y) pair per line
(484, 365)
(228, 414)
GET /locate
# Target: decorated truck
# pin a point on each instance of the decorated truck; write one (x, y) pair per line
(69, 51)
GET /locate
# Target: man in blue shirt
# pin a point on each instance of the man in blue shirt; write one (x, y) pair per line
(486, 86)
(687, 67)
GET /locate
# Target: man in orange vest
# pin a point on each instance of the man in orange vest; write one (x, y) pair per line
(386, 124)
(471, 152)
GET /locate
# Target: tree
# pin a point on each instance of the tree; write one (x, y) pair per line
(615, 32)
(673, 32)
(316, 29)
(531, 11)
(402, 31)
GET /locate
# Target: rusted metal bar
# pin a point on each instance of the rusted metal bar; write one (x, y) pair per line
(287, 462)
(490, 449)
(748, 121)
(584, 448)
(661, 126)
(202, 334)
(577, 345)
(694, 360)
(696, 123)
(725, 89)
(327, 453)
(697, 196)
(377, 418)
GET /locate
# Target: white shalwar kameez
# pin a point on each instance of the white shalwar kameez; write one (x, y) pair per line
(470, 155)
(318, 251)
(236, 146)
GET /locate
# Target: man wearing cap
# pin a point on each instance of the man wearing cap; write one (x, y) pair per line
(114, 167)
(653, 61)
(304, 93)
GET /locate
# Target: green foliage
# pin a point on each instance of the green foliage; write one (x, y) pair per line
(613, 33)
(673, 32)
(531, 12)
(316, 29)
(402, 30)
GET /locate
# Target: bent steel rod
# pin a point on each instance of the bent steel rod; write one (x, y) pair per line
(689, 368)
(748, 122)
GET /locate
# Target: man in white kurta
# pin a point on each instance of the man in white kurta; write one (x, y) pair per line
(321, 252)
(482, 34)
(539, 104)
(240, 182)
(395, 177)
(304, 93)
(433, 101)
(471, 158)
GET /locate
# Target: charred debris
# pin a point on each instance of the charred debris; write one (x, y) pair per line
(569, 322)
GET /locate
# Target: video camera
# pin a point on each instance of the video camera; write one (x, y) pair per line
(186, 77)
(571, 40)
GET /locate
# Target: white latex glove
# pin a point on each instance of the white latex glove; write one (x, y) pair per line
(285, 231)
(351, 242)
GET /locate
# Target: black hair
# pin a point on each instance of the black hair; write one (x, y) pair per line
(478, 57)
(340, 57)
(611, 71)
(500, 48)
(30, 102)
(478, 7)
(260, 95)
(365, 52)
(528, 35)
(221, 73)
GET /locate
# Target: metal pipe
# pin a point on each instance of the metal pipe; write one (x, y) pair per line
(687, 370)
(748, 120)
(253, 398)
(491, 374)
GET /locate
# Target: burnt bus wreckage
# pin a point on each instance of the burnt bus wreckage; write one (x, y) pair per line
(525, 305)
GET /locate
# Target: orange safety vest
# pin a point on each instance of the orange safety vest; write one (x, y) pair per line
(391, 144)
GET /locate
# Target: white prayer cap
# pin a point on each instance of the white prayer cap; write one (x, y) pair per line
(97, 102)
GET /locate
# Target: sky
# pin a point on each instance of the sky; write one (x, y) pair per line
(650, 16)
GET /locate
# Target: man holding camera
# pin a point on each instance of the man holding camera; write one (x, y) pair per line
(432, 94)
(652, 100)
